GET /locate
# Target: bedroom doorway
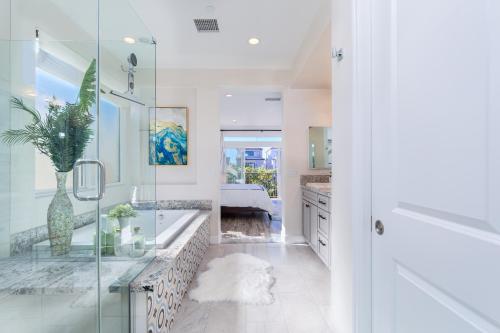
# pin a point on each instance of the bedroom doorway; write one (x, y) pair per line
(251, 205)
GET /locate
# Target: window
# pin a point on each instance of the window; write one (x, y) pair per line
(242, 167)
(49, 86)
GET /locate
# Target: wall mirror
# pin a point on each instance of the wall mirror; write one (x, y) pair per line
(320, 147)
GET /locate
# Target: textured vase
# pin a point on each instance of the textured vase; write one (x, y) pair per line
(60, 218)
(124, 222)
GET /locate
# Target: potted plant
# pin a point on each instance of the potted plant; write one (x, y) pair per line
(123, 213)
(62, 136)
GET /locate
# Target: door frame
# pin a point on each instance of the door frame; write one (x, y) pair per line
(361, 12)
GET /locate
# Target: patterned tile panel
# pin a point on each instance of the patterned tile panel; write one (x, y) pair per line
(164, 301)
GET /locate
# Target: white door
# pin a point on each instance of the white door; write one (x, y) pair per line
(436, 166)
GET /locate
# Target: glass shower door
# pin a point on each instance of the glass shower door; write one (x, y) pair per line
(48, 265)
(127, 210)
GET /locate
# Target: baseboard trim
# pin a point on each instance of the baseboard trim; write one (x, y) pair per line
(294, 239)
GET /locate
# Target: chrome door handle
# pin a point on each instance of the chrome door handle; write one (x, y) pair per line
(101, 183)
(379, 227)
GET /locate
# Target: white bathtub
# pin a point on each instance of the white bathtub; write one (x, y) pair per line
(170, 223)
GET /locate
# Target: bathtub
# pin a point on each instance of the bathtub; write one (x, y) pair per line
(169, 224)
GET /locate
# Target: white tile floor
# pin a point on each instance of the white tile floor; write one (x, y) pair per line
(301, 291)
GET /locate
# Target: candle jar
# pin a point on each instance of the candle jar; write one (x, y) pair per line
(138, 243)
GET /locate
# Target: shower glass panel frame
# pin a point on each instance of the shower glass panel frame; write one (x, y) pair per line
(45, 48)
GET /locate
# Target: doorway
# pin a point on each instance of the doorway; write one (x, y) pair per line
(251, 204)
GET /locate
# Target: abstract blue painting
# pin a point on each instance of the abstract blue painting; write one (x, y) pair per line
(168, 136)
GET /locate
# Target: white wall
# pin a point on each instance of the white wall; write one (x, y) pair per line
(200, 179)
(200, 90)
(301, 108)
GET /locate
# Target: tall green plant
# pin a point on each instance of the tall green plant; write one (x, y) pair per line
(65, 131)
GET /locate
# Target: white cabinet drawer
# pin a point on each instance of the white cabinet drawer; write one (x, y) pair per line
(311, 196)
(306, 220)
(314, 228)
(324, 249)
(324, 202)
(324, 222)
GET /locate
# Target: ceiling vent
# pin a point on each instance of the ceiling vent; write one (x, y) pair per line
(206, 25)
(273, 99)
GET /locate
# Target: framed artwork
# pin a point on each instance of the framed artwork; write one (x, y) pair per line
(168, 136)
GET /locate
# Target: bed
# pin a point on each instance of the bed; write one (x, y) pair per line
(245, 197)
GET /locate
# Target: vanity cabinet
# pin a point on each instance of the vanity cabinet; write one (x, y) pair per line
(316, 223)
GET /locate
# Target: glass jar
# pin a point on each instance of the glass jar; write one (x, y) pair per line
(138, 243)
(121, 246)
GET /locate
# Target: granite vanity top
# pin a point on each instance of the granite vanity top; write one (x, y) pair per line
(322, 191)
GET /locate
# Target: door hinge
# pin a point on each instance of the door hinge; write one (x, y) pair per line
(338, 54)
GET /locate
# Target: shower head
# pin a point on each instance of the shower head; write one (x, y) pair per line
(132, 60)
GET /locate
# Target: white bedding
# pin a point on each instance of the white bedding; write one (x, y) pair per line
(247, 196)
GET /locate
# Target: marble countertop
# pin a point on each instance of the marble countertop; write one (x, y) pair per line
(317, 190)
(26, 276)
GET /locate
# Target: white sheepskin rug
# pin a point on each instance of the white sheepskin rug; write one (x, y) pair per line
(237, 277)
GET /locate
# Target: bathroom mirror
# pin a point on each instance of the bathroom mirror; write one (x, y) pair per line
(320, 147)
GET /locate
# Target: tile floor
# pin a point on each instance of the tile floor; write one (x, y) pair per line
(301, 291)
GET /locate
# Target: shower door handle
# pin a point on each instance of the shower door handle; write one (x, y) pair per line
(101, 182)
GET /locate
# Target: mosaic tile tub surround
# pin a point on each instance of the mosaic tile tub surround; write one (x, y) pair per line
(163, 284)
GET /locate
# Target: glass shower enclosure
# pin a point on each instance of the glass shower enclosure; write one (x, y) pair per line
(77, 94)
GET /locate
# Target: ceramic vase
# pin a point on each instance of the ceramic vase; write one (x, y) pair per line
(60, 218)
(124, 222)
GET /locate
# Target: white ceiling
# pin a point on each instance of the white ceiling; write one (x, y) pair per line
(250, 110)
(292, 33)
(281, 25)
(316, 70)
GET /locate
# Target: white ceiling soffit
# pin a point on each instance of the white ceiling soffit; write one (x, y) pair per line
(315, 70)
(281, 26)
(248, 109)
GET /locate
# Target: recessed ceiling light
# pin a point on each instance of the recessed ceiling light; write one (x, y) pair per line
(234, 120)
(253, 41)
(229, 95)
(30, 93)
(129, 40)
